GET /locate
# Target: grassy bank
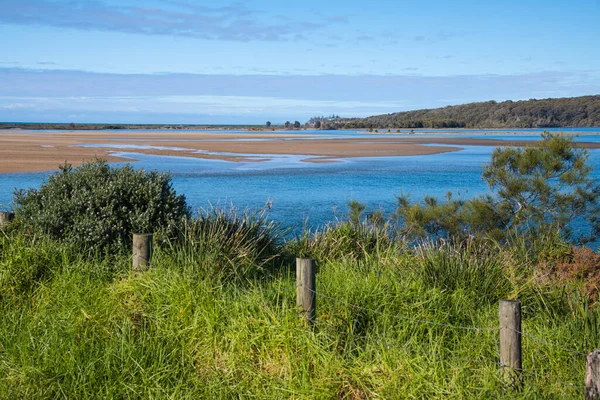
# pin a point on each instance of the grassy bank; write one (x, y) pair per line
(392, 321)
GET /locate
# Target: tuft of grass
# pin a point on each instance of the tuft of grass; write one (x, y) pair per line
(452, 267)
(343, 240)
(228, 244)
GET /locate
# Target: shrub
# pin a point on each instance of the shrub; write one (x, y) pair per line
(98, 207)
(582, 266)
(546, 185)
(533, 190)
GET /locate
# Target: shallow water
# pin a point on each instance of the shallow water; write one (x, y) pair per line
(298, 192)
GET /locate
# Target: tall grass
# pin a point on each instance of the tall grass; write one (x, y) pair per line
(227, 243)
(344, 239)
(451, 267)
(389, 320)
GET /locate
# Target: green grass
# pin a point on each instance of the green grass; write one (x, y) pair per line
(192, 327)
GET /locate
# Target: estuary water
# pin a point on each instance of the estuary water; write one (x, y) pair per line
(299, 193)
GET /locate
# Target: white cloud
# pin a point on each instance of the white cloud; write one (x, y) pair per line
(108, 97)
(211, 105)
(15, 106)
(175, 18)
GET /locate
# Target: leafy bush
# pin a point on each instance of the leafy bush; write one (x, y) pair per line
(99, 207)
(454, 218)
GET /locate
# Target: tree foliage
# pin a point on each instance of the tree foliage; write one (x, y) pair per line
(548, 184)
(96, 206)
(565, 112)
(541, 187)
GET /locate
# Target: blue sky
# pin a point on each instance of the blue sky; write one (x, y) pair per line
(183, 61)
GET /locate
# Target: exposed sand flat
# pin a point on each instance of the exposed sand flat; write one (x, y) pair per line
(25, 151)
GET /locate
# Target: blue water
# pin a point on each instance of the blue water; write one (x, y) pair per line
(300, 192)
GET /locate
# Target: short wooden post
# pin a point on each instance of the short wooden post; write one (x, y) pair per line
(306, 296)
(142, 251)
(510, 341)
(6, 217)
(592, 375)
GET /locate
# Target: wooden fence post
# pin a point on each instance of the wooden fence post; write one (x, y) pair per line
(306, 298)
(510, 341)
(6, 217)
(142, 251)
(592, 375)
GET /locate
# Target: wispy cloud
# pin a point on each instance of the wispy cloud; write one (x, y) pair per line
(29, 82)
(232, 22)
(436, 37)
(364, 38)
(181, 109)
(39, 94)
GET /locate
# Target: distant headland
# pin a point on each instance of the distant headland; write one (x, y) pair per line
(570, 112)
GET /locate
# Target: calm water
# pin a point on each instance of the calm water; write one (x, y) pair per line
(317, 193)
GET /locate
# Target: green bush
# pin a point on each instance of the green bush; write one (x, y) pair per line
(98, 207)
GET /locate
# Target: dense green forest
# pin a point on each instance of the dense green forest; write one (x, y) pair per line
(546, 113)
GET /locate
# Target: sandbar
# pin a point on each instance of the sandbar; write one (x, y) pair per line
(29, 151)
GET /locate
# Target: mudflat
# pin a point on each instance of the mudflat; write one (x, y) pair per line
(28, 151)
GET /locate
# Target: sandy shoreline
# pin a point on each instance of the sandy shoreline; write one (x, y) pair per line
(28, 151)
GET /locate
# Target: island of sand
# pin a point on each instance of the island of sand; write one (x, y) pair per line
(28, 151)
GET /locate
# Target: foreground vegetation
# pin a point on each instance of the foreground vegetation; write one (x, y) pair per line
(75, 326)
(215, 315)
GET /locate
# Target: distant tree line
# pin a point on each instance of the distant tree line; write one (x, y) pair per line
(95, 127)
(547, 113)
(323, 122)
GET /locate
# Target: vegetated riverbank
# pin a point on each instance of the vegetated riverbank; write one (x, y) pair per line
(212, 320)
(215, 314)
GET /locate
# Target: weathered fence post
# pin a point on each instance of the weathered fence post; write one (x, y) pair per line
(510, 341)
(306, 297)
(142, 250)
(592, 375)
(6, 217)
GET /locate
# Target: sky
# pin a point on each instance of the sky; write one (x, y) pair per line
(246, 62)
